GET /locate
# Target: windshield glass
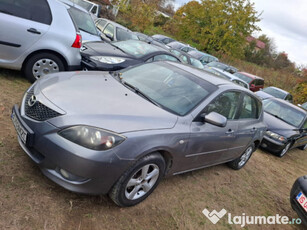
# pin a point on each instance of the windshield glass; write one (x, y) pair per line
(287, 113)
(136, 48)
(123, 35)
(217, 65)
(243, 77)
(83, 4)
(175, 90)
(83, 21)
(274, 92)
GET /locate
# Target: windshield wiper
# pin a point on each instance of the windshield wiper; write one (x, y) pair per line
(280, 118)
(137, 91)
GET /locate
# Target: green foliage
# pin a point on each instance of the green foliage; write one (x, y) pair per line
(217, 25)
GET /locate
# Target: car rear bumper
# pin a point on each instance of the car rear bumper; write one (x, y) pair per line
(71, 166)
(300, 185)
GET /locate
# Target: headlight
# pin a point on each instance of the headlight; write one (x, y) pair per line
(108, 60)
(92, 138)
(275, 136)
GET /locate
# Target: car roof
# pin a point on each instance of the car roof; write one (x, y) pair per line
(159, 36)
(213, 79)
(288, 104)
(251, 75)
(279, 89)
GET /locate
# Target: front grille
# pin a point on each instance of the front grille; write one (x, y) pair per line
(38, 111)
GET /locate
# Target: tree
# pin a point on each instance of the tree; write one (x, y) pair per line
(217, 25)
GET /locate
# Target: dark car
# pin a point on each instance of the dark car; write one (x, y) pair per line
(298, 198)
(187, 59)
(120, 133)
(255, 83)
(119, 55)
(162, 38)
(287, 126)
(149, 40)
(222, 66)
(204, 58)
(274, 92)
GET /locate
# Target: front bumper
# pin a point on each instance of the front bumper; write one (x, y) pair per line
(94, 172)
(272, 145)
(300, 185)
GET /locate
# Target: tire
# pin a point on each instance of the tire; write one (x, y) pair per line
(284, 150)
(243, 159)
(41, 64)
(302, 147)
(128, 195)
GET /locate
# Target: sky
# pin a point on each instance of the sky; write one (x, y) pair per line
(285, 21)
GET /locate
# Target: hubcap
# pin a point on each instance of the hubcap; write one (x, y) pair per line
(43, 67)
(142, 181)
(245, 156)
(283, 152)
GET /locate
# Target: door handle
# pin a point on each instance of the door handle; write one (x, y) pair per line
(33, 30)
(230, 131)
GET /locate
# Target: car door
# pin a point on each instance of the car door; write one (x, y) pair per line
(24, 23)
(302, 140)
(208, 143)
(248, 124)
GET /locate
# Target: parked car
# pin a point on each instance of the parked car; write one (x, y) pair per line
(39, 38)
(287, 126)
(222, 66)
(162, 39)
(187, 59)
(118, 55)
(274, 92)
(112, 31)
(298, 198)
(204, 58)
(119, 133)
(180, 46)
(304, 106)
(149, 40)
(91, 7)
(227, 75)
(83, 21)
(255, 83)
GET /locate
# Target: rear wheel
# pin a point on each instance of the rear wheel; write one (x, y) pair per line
(136, 184)
(242, 160)
(42, 64)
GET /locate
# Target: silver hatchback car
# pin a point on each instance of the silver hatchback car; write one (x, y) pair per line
(40, 37)
(119, 133)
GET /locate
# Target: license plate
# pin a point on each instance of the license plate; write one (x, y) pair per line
(302, 200)
(21, 131)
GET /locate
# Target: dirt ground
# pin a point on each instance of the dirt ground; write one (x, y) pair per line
(28, 200)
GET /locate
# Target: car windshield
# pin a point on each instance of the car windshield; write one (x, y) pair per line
(284, 112)
(196, 54)
(243, 77)
(175, 90)
(136, 48)
(217, 65)
(196, 63)
(275, 92)
(83, 4)
(304, 105)
(83, 21)
(123, 35)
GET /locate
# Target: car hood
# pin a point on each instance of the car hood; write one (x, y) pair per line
(263, 95)
(102, 48)
(97, 99)
(278, 126)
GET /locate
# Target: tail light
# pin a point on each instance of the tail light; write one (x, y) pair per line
(78, 41)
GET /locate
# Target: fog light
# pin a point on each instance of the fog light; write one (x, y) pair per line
(69, 176)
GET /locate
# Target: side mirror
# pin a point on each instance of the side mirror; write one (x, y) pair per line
(214, 118)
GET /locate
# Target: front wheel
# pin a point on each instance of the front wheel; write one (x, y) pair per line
(303, 147)
(242, 160)
(284, 150)
(138, 182)
(42, 64)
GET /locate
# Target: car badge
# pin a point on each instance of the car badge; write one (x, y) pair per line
(32, 101)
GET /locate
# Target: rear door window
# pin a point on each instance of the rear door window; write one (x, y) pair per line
(34, 10)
